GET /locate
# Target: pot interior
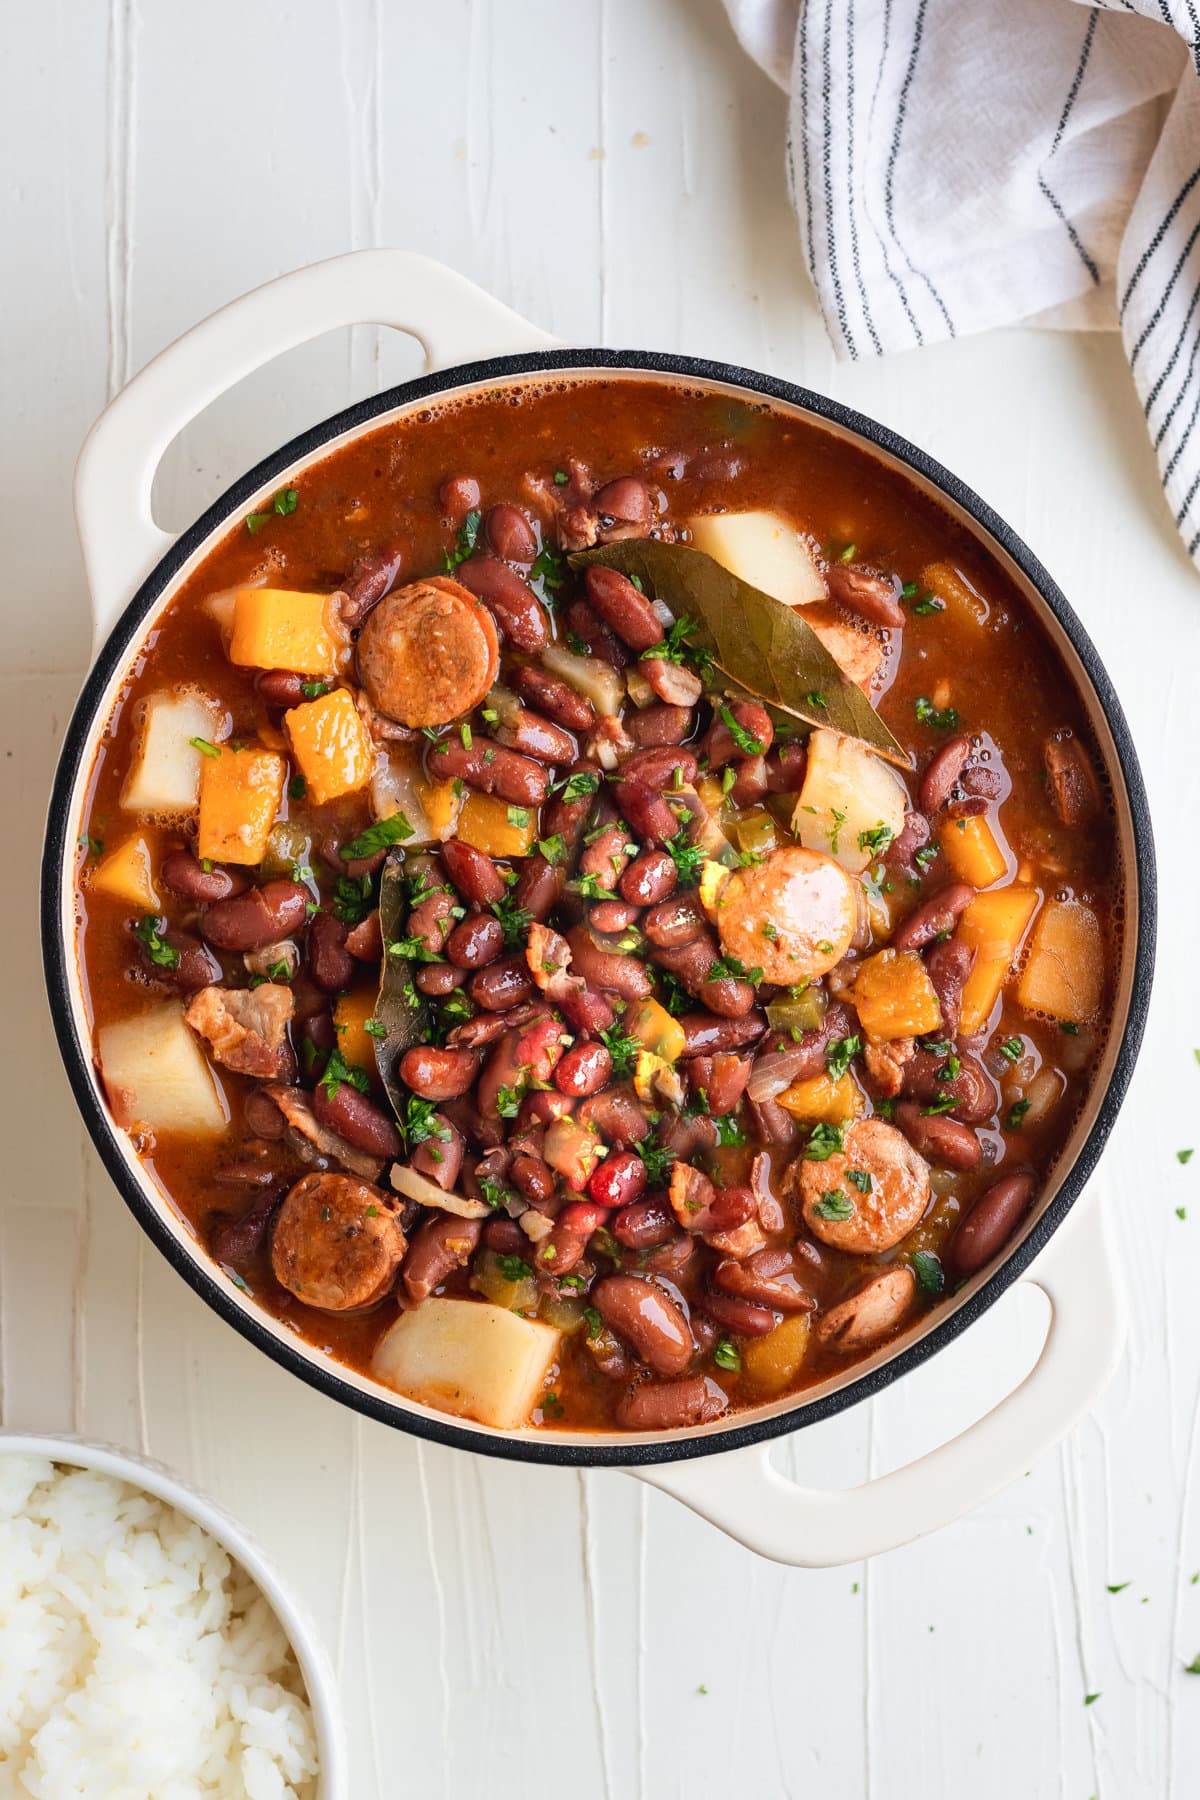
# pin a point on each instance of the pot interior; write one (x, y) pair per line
(173, 1234)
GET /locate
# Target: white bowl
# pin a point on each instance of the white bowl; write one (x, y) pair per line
(153, 1478)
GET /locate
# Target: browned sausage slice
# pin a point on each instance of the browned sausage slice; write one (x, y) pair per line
(868, 1195)
(337, 1242)
(871, 1313)
(805, 904)
(428, 653)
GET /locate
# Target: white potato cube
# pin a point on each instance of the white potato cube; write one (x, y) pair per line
(481, 1362)
(157, 1076)
(849, 803)
(164, 780)
(763, 549)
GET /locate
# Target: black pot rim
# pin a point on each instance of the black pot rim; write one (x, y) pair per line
(57, 954)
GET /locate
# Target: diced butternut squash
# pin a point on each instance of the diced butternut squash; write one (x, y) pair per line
(851, 805)
(971, 849)
(956, 593)
(441, 802)
(127, 874)
(993, 925)
(274, 628)
(164, 779)
(495, 827)
(820, 1099)
(1064, 975)
(241, 792)
(462, 1356)
(157, 1076)
(894, 997)
(350, 1016)
(330, 743)
(653, 1026)
(710, 791)
(770, 1362)
(762, 548)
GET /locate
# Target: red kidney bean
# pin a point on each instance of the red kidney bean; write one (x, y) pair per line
(943, 770)
(616, 1115)
(539, 1047)
(458, 495)
(492, 769)
(728, 996)
(674, 922)
(317, 1029)
(583, 1070)
(371, 577)
(182, 873)
(671, 1405)
(948, 966)
(622, 608)
(501, 1070)
(742, 1316)
(235, 1242)
(768, 1278)
(474, 875)
(533, 1177)
(561, 1252)
(914, 835)
(543, 1107)
(480, 1133)
(476, 942)
(437, 979)
(991, 1221)
(650, 877)
(973, 1089)
(930, 917)
(262, 915)
(755, 735)
(750, 780)
(586, 1010)
(431, 920)
(605, 858)
(567, 818)
(535, 736)
(439, 1245)
(721, 1079)
(505, 1237)
(557, 699)
(538, 886)
(671, 682)
(703, 1034)
(611, 916)
(509, 534)
(354, 866)
(670, 1258)
(357, 1119)
(329, 962)
(513, 605)
(502, 985)
(690, 964)
(655, 768)
(365, 940)
(984, 783)
(867, 592)
(485, 1028)
(644, 1224)
(966, 809)
(261, 1115)
(280, 687)
(786, 768)
(586, 624)
(440, 1158)
(938, 1139)
(687, 1135)
(619, 1180)
(648, 815)
(661, 724)
(436, 1073)
(626, 502)
(648, 1319)
(623, 975)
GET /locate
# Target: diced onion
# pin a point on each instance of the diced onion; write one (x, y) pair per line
(597, 680)
(414, 1186)
(776, 1071)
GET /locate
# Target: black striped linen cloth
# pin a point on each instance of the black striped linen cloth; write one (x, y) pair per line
(960, 164)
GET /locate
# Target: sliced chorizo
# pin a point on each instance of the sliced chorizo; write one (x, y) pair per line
(337, 1242)
(868, 1195)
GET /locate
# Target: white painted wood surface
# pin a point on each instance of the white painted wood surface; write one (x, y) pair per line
(614, 169)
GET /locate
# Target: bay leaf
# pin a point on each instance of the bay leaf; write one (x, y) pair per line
(761, 649)
(403, 1024)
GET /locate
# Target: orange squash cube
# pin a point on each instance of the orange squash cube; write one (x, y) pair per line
(241, 792)
(276, 628)
(330, 743)
(993, 925)
(350, 1017)
(970, 847)
(495, 827)
(127, 874)
(894, 997)
(1065, 972)
(821, 1099)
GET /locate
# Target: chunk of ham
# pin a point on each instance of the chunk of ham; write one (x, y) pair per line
(246, 1028)
(311, 1140)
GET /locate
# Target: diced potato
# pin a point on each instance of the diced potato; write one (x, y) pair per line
(441, 803)
(127, 874)
(590, 676)
(960, 597)
(762, 548)
(495, 827)
(164, 779)
(654, 1027)
(330, 743)
(156, 1074)
(894, 997)
(1064, 975)
(770, 1362)
(274, 628)
(350, 1015)
(971, 849)
(241, 792)
(397, 785)
(848, 795)
(821, 1099)
(993, 925)
(462, 1356)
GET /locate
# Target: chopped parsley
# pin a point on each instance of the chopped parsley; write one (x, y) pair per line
(595, 1324)
(465, 539)
(675, 647)
(375, 1028)
(297, 787)
(1184, 1156)
(876, 840)
(658, 1160)
(835, 1205)
(928, 714)
(576, 786)
(729, 1131)
(515, 1268)
(203, 746)
(816, 698)
(353, 898)
(561, 478)
(283, 504)
(1016, 1114)
(161, 954)
(312, 690)
(931, 1277)
(726, 1355)
(338, 1070)
(688, 858)
(730, 968)
(747, 743)
(508, 1102)
(550, 568)
(494, 1192)
(622, 1048)
(840, 1053)
(553, 848)
(826, 1141)
(925, 856)
(518, 817)
(591, 887)
(1012, 1049)
(860, 1179)
(395, 829)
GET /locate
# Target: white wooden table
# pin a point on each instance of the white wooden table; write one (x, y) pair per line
(614, 169)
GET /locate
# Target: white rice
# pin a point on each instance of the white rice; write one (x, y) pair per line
(137, 1661)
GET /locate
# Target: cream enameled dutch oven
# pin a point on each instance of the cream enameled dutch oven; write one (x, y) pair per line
(721, 1470)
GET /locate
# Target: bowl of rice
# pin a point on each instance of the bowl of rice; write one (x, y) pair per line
(147, 1648)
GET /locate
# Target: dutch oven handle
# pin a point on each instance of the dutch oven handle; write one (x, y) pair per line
(742, 1494)
(453, 320)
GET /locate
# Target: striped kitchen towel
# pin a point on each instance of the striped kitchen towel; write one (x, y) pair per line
(960, 164)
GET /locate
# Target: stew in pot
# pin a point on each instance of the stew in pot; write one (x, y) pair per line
(598, 905)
